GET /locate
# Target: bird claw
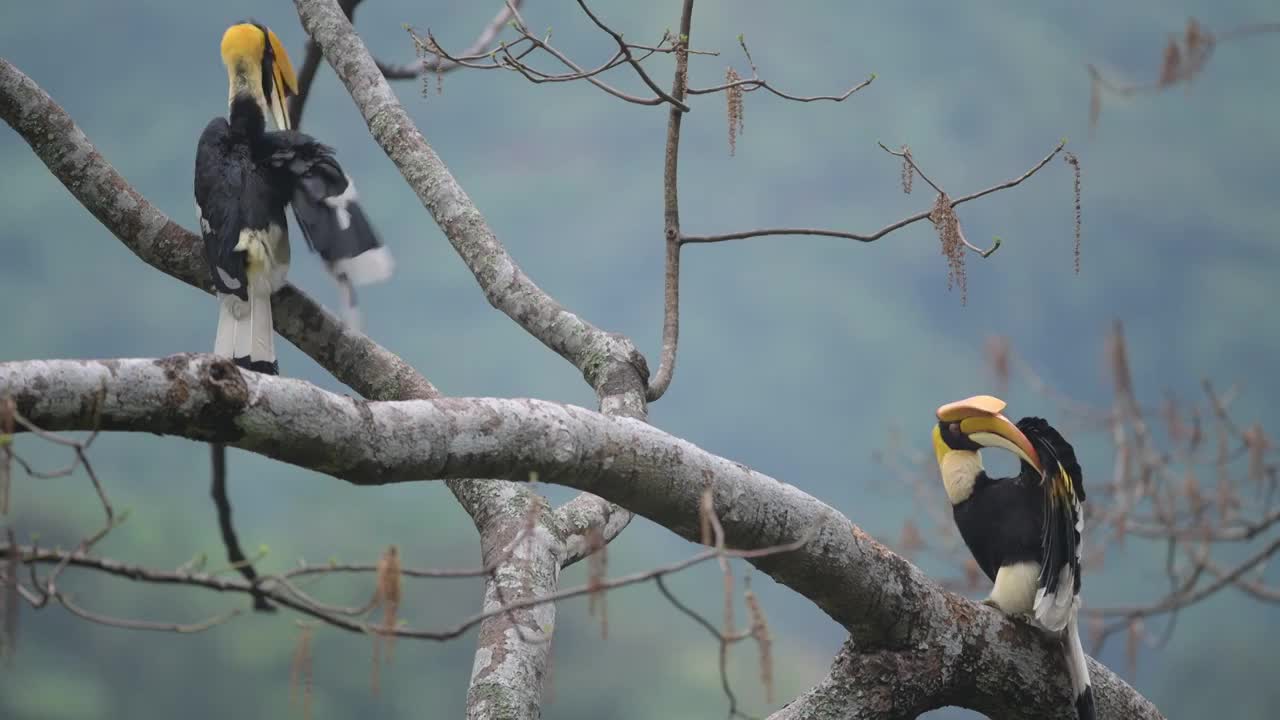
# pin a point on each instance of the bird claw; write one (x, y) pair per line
(1025, 617)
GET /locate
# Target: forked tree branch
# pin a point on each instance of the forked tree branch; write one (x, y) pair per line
(392, 71)
(977, 657)
(872, 237)
(671, 214)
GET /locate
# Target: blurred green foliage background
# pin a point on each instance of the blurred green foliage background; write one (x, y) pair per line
(797, 354)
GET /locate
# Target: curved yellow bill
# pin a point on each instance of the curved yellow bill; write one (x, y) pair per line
(286, 83)
(971, 406)
(287, 79)
(981, 420)
(999, 431)
(245, 47)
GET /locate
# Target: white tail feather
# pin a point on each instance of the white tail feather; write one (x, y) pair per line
(244, 328)
(1053, 611)
(224, 341)
(1078, 667)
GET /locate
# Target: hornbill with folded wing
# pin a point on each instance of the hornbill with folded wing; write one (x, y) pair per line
(1023, 531)
(249, 166)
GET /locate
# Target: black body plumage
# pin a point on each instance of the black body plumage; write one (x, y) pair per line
(236, 190)
(1002, 521)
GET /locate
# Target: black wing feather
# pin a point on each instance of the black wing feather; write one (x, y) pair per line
(217, 183)
(1000, 523)
(1063, 502)
(316, 176)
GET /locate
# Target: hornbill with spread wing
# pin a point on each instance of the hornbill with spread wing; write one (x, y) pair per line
(249, 166)
(1023, 531)
(245, 175)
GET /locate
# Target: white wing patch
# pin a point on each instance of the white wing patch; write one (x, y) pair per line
(205, 227)
(230, 282)
(1053, 610)
(340, 203)
(368, 267)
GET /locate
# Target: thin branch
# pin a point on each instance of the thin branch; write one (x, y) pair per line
(284, 593)
(691, 239)
(671, 216)
(1185, 595)
(218, 490)
(675, 99)
(393, 71)
(723, 641)
(1184, 59)
(756, 83)
(440, 65)
(143, 624)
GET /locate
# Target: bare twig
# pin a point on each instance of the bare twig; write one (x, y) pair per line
(281, 592)
(676, 99)
(1183, 60)
(872, 237)
(181, 628)
(10, 566)
(756, 83)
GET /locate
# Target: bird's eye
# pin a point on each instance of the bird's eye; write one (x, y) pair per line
(954, 428)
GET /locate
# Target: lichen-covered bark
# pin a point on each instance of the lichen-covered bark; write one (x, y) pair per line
(510, 661)
(922, 639)
(968, 656)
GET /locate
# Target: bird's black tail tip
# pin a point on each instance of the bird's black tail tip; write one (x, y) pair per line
(266, 367)
(1084, 705)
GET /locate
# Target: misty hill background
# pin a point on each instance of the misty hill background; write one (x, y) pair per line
(797, 354)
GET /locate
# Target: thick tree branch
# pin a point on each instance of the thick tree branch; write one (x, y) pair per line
(311, 65)
(889, 606)
(955, 666)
